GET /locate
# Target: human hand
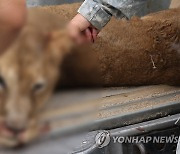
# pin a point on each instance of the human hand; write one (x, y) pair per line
(81, 30)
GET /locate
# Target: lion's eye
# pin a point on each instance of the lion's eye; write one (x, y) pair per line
(2, 83)
(39, 87)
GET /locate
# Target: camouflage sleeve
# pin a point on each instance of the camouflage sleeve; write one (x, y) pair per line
(94, 13)
(99, 12)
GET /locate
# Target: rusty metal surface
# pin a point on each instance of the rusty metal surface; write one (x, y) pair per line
(117, 107)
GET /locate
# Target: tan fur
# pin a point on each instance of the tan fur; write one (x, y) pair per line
(136, 52)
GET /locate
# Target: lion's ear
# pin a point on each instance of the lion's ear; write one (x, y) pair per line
(59, 44)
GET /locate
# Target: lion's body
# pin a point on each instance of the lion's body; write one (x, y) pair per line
(136, 52)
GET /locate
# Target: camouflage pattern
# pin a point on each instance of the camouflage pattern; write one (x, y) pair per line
(99, 12)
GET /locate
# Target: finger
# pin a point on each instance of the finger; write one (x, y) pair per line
(94, 33)
(88, 35)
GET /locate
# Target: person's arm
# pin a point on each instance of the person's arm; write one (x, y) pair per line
(12, 18)
(97, 13)
(93, 15)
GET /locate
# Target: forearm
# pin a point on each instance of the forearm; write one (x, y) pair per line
(94, 13)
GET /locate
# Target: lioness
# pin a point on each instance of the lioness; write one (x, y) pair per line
(136, 52)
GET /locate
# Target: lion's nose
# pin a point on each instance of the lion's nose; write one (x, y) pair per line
(15, 125)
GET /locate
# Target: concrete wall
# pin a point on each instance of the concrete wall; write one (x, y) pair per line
(31, 3)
